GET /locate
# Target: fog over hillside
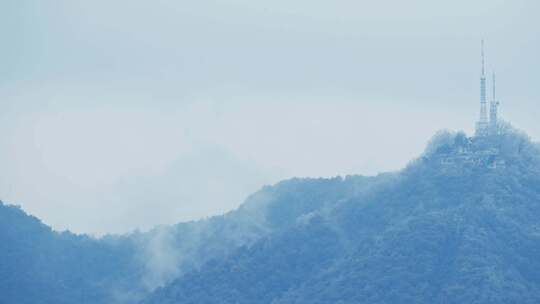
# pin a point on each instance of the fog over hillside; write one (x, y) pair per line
(269, 152)
(461, 214)
(124, 106)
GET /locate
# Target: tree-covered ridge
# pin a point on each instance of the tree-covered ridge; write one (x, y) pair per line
(506, 146)
(437, 232)
(450, 227)
(38, 265)
(61, 267)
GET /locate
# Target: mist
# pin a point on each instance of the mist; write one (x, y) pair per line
(126, 115)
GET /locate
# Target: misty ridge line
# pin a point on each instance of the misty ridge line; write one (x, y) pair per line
(269, 152)
(166, 252)
(145, 263)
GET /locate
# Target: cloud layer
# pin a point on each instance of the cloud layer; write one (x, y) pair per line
(133, 113)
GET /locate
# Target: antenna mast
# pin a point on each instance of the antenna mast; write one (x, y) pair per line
(493, 108)
(482, 125)
(483, 60)
(494, 98)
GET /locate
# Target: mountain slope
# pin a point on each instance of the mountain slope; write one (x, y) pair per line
(458, 225)
(38, 264)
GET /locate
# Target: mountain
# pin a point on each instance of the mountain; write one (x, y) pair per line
(39, 265)
(460, 224)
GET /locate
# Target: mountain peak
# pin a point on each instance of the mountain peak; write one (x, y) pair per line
(507, 148)
(463, 214)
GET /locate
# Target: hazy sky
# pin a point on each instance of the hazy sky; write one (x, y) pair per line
(123, 114)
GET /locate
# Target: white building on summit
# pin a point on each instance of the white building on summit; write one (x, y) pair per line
(483, 126)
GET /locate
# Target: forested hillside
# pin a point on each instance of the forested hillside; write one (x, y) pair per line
(459, 224)
(39, 265)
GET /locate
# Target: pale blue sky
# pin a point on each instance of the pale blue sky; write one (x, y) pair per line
(123, 114)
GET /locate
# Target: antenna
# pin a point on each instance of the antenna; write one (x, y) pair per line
(494, 98)
(483, 60)
(483, 64)
(493, 111)
(483, 123)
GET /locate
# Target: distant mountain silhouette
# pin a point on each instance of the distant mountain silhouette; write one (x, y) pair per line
(459, 224)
